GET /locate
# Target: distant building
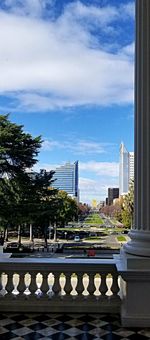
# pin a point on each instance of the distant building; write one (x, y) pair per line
(126, 169)
(101, 204)
(106, 200)
(94, 203)
(66, 179)
(131, 166)
(112, 194)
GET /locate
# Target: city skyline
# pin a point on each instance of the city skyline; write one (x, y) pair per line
(67, 74)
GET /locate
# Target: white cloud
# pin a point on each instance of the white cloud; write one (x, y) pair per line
(128, 9)
(51, 64)
(33, 8)
(128, 51)
(46, 166)
(101, 168)
(95, 189)
(50, 145)
(79, 147)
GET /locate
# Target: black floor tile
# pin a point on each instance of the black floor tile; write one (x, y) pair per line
(64, 318)
(62, 326)
(13, 326)
(37, 326)
(112, 336)
(85, 336)
(86, 327)
(41, 317)
(137, 336)
(7, 336)
(32, 336)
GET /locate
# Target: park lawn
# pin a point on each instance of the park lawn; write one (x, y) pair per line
(94, 218)
(121, 238)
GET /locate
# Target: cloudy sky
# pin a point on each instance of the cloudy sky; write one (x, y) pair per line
(66, 73)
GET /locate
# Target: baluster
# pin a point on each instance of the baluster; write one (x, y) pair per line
(80, 286)
(21, 286)
(68, 285)
(44, 286)
(9, 286)
(103, 287)
(115, 287)
(56, 287)
(3, 284)
(91, 287)
(33, 285)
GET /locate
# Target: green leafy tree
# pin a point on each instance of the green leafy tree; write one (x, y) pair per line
(8, 200)
(42, 200)
(128, 207)
(63, 210)
(18, 150)
(83, 210)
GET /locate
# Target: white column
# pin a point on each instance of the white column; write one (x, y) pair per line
(134, 262)
(140, 234)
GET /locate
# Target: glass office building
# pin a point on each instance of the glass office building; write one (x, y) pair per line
(66, 178)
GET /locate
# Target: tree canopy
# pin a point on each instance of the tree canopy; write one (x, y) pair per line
(18, 150)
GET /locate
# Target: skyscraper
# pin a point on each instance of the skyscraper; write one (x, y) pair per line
(112, 194)
(126, 169)
(66, 178)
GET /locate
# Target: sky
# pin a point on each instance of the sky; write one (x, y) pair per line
(67, 74)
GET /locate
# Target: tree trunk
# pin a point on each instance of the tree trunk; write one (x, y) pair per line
(19, 234)
(45, 236)
(55, 232)
(6, 235)
(31, 232)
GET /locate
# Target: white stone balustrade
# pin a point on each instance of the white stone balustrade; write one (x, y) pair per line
(59, 285)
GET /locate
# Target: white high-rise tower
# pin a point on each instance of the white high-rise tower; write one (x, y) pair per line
(126, 169)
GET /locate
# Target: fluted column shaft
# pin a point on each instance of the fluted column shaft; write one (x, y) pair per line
(140, 234)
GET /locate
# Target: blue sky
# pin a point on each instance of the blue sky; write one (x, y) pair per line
(67, 73)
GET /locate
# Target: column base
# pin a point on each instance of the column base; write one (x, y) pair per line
(139, 244)
(134, 321)
(134, 288)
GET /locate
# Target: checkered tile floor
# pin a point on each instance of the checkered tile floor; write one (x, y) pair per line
(63, 326)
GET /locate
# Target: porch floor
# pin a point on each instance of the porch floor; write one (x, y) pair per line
(67, 326)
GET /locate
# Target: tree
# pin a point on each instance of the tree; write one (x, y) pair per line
(68, 208)
(117, 214)
(8, 200)
(128, 207)
(64, 209)
(42, 200)
(18, 150)
(83, 210)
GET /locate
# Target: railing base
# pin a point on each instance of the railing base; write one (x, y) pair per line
(60, 306)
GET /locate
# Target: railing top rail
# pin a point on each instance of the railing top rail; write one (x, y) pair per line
(60, 265)
(58, 261)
